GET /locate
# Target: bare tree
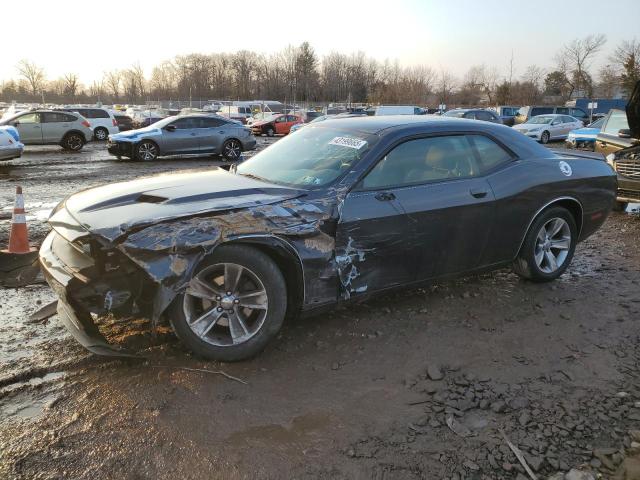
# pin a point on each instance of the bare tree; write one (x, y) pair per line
(444, 86)
(71, 85)
(626, 60)
(33, 75)
(574, 60)
(111, 82)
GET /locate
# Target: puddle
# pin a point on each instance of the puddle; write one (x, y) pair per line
(30, 398)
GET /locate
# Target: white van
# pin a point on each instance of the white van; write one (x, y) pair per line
(399, 110)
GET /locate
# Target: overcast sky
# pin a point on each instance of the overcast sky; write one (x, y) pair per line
(89, 38)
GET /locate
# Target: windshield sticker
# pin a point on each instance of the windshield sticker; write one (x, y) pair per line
(355, 143)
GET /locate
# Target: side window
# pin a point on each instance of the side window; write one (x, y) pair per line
(209, 122)
(98, 113)
(562, 111)
(424, 160)
(490, 154)
(486, 116)
(185, 123)
(617, 121)
(291, 118)
(28, 118)
(470, 115)
(55, 117)
(568, 119)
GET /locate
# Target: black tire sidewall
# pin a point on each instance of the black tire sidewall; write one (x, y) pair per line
(274, 283)
(544, 138)
(527, 253)
(65, 142)
(223, 150)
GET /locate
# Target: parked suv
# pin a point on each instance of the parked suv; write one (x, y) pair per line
(507, 114)
(184, 134)
(619, 140)
(70, 130)
(526, 113)
(102, 120)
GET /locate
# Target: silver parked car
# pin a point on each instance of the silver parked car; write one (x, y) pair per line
(549, 127)
(51, 127)
(184, 134)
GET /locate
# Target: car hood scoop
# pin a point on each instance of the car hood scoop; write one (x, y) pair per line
(114, 210)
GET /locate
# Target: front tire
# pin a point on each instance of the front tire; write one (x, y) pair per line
(147, 151)
(270, 132)
(231, 150)
(233, 306)
(73, 142)
(544, 138)
(548, 247)
(100, 134)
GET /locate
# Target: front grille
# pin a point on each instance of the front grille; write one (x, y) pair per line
(625, 193)
(628, 168)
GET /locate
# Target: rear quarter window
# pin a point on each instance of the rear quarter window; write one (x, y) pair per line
(490, 154)
(97, 113)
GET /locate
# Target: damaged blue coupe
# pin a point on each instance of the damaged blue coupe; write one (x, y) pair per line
(336, 212)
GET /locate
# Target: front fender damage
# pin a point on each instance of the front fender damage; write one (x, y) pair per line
(170, 251)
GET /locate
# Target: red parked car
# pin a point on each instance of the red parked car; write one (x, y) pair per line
(278, 124)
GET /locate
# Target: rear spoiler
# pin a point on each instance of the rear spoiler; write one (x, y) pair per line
(578, 154)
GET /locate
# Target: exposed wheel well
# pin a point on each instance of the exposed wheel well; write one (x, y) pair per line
(572, 205)
(287, 262)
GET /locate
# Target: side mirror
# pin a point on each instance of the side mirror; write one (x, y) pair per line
(555, 122)
(16, 123)
(624, 133)
(170, 128)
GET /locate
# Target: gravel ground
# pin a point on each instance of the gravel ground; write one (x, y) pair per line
(425, 383)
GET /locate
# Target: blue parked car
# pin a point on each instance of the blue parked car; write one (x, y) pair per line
(585, 137)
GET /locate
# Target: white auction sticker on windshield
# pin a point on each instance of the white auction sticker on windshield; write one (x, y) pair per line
(348, 142)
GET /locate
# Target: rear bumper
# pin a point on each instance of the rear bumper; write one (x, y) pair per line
(76, 292)
(249, 143)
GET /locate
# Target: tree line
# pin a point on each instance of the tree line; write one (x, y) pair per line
(298, 74)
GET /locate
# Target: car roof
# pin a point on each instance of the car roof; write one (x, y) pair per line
(376, 124)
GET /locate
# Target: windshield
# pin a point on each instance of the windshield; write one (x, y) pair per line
(314, 156)
(541, 119)
(454, 113)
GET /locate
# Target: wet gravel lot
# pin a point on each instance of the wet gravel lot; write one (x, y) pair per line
(425, 383)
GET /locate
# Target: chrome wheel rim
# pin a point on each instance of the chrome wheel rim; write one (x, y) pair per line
(225, 304)
(232, 149)
(101, 134)
(147, 151)
(552, 245)
(74, 142)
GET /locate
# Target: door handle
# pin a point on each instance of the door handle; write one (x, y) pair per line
(385, 196)
(478, 192)
(221, 131)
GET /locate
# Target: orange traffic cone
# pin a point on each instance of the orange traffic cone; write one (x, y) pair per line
(19, 237)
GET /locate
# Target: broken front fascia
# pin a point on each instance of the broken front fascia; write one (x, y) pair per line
(170, 251)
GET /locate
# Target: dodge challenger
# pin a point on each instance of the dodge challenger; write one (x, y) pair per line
(342, 210)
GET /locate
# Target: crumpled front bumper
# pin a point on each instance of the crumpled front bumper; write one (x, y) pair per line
(66, 280)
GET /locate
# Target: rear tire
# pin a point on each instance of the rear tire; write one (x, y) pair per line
(620, 206)
(73, 142)
(211, 316)
(548, 247)
(544, 138)
(100, 134)
(231, 150)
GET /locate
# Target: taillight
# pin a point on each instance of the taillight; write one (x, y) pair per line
(115, 123)
(86, 124)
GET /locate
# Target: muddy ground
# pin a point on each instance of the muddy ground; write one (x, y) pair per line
(424, 383)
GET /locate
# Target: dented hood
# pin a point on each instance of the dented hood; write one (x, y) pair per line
(633, 111)
(115, 210)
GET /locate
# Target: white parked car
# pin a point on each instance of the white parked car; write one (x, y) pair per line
(102, 121)
(549, 127)
(10, 145)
